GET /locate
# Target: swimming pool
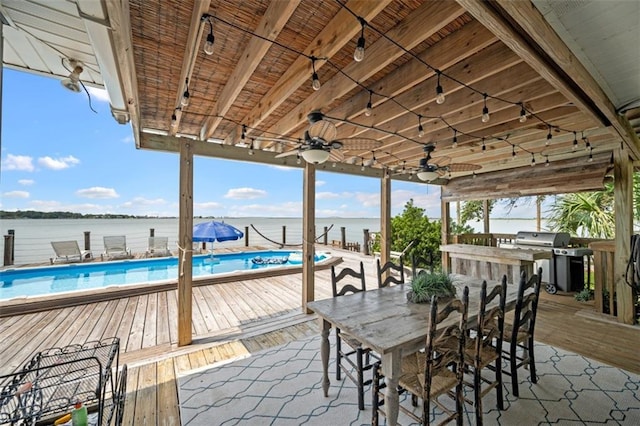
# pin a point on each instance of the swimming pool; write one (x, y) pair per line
(21, 282)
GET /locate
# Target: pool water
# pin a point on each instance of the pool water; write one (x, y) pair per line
(39, 281)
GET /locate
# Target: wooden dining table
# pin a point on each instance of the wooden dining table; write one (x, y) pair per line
(383, 320)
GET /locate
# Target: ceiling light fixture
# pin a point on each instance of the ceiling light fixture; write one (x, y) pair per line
(315, 81)
(315, 155)
(72, 82)
(185, 96)
(427, 175)
(440, 98)
(358, 54)
(208, 45)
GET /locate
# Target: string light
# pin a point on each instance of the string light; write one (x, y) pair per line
(575, 141)
(475, 175)
(358, 54)
(362, 166)
(587, 144)
(533, 160)
(549, 136)
(440, 98)
(315, 81)
(185, 96)
(244, 132)
(369, 108)
(251, 148)
(546, 163)
(208, 45)
(174, 119)
(513, 152)
(420, 128)
(298, 161)
(484, 147)
(590, 155)
(455, 139)
(485, 111)
(523, 114)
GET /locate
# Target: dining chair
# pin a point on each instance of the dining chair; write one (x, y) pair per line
(390, 273)
(519, 334)
(437, 370)
(484, 347)
(356, 356)
(420, 264)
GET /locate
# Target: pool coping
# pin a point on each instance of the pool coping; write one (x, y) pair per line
(25, 305)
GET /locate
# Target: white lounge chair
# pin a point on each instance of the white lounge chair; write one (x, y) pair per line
(158, 247)
(115, 247)
(69, 252)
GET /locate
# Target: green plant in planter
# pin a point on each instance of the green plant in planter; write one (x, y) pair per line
(426, 285)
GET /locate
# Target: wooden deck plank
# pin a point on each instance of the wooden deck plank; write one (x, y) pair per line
(114, 319)
(127, 320)
(149, 335)
(162, 320)
(168, 409)
(146, 397)
(137, 329)
(130, 405)
(172, 304)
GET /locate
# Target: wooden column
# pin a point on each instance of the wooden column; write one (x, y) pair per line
(385, 217)
(185, 236)
(445, 220)
(308, 235)
(485, 216)
(623, 207)
(539, 213)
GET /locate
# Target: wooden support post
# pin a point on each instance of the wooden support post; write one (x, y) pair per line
(365, 245)
(343, 237)
(385, 218)
(308, 229)
(152, 232)
(445, 220)
(326, 235)
(8, 248)
(623, 206)
(284, 234)
(538, 213)
(246, 236)
(485, 216)
(185, 238)
(87, 240)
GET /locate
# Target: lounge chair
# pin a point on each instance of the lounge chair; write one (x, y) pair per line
(115, 247)
(69, 252)
(158, 247)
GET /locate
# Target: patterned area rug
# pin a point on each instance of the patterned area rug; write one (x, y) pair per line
(281, 386)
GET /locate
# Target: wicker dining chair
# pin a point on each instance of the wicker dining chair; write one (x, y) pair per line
(394, 273)
(357, 357)
(484, 347)
(519, 334)
(435, 371)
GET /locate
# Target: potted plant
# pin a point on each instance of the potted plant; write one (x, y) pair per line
(424, 286)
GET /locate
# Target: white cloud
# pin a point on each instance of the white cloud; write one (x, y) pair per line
(141, 201)
(97, 192)
(327, 195)
(58, 163)
(16, 194)
(207, 205)
(368, 199)
(320, 183)
(287, 209)
(18, 162)
(245, 193)
(99, 94)
(49, 205)
(26, 182)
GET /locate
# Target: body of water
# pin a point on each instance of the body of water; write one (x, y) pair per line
(33, 236)
(20, 282)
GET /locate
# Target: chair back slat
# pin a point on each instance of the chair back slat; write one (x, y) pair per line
(490, 321)
(356, 281)
(419, 262)
(388, 269)
(527, 305)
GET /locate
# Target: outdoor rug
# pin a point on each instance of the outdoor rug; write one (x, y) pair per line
(281, 386)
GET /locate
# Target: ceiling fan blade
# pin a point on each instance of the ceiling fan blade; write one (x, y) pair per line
(336, 155)
(463, 167)
(288, 153)
(360, 143)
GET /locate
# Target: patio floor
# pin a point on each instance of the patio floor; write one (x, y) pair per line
(232, 319)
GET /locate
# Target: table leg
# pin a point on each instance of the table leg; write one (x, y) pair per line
(325, 328)
(391, 363)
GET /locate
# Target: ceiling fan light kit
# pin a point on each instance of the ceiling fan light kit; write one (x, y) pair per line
(315, 155)
(427, 176)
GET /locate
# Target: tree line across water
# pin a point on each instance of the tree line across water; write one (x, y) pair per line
(32, 214)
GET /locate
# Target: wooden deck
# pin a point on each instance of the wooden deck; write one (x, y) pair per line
(232, 319)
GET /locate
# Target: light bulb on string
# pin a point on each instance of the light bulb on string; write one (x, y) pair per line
(590, 155)
(549, 136)
(484, 147)
(369, 108)
(546, 163)
(244, 132)
(186, 95)
(420, 128)
(533, 160)
(208, 45)
(587, 144)
(315, 81)
(298, 161)
(523, 114)
(454, 144)
(513, 152)
(440, 98)
(485, 111)
(358, 54)
(575, 141)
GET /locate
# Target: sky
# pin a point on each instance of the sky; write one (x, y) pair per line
(58, 155)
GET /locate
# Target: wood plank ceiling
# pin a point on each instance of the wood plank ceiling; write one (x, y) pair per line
(259, 79)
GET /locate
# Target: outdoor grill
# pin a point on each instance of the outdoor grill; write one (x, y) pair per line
(565, 270)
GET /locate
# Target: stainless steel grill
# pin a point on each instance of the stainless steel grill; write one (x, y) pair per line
(565, 270)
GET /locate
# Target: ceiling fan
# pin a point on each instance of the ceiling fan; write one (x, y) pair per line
(320, 141)
(428, 171)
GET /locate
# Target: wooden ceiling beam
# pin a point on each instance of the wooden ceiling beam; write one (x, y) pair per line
(190, 56)
(421, 24)
(338, 32)
(533, 39)
(273, 21)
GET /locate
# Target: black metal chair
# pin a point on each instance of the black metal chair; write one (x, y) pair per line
(357, 357)
(420, 264)
(436, 371)
(519, 334)
(484, 348)
(390, 273)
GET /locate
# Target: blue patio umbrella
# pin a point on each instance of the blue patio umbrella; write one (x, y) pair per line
(215, 231)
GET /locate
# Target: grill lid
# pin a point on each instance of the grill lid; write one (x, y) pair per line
(543, 239)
